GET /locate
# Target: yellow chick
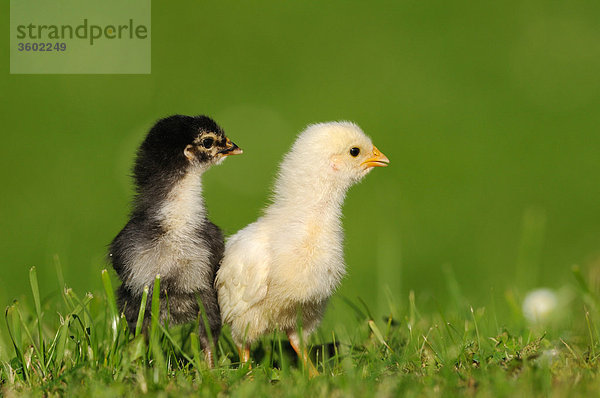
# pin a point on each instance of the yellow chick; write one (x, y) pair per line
(291, 260)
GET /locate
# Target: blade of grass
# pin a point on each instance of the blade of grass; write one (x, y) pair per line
(113, 316)
(591, 334)
(59, 272)
(174, 343)
(62, 287)
(56, 350)
(158, 361)
(413, 313)
(89, 328)
(476, 329)
(61, 343)
(111, 301)
(446, 325)
(392, 304)
(142, 312)
(2, 347)
(195, 347)
(388, 326)
(378, 334)
(155, 314)
(209, 334)
(272, 353)
(335, 349)
(33, 343)
(38, 310)
(67, 296)
(14, 333)
(120, 342)
(281, 359)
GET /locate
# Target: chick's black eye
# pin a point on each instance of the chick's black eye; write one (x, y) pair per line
(354, 151)
(208, 142)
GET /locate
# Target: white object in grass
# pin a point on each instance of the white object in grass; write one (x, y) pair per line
(539, 305)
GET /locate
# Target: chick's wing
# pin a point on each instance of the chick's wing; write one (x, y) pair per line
(242, 280)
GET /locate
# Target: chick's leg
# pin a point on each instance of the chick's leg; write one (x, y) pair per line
(244, 353)
(210, 324)
(302, 353)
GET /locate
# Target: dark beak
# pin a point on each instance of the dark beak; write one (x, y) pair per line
(231, 149)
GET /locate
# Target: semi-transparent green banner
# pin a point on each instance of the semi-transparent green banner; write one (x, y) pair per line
(80, 36)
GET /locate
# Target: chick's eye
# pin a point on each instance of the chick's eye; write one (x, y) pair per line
(208, 142)
(354, 151)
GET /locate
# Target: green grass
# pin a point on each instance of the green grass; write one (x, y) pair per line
(487, 111)
(69, 344)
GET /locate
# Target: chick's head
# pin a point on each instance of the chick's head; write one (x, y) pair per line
(209, 145)
(178, 142)
(340, 149)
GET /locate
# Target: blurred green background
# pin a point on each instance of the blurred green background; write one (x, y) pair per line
(489, 113)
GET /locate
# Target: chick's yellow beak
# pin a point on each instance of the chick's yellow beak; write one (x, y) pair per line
(377, 159)
(231, 149)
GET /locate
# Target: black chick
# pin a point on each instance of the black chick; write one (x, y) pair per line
(168, 232)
